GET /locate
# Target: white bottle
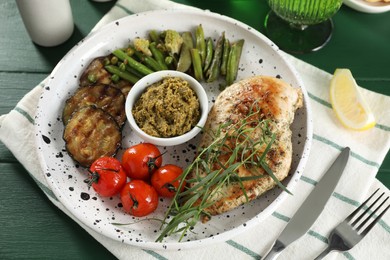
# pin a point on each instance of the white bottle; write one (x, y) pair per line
(48, 22)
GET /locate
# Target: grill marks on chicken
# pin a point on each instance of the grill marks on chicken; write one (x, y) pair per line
(277, 102)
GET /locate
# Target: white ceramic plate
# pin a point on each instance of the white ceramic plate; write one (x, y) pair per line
(260, 56)
(368, 7)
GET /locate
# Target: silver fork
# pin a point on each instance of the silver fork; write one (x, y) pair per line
(346, 235)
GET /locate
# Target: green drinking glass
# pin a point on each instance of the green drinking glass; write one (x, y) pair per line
(301, 26)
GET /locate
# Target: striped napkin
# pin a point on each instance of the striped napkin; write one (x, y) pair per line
(368, 151)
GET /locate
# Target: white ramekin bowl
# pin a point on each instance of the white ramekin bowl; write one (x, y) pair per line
(148, 80)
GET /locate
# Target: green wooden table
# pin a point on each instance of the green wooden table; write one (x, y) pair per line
(31, 226)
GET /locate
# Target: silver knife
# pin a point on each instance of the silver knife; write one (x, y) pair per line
(311, 208)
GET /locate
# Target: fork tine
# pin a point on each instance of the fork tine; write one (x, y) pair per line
(361, 206)
(375, 220)
(367, 210)
(372, 214)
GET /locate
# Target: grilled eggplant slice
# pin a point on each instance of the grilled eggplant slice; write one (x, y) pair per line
(90, 134)
(106, 97)
(96, 74)
(123, 85)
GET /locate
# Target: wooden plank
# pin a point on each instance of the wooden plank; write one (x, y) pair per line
(14, 86)
(32, 227)
(19, 53)
(6, 155)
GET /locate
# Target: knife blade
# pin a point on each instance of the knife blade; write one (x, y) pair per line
(311, 208)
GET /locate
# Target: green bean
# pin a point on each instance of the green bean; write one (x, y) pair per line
(134, 72)
(158, 55)
(197, 64)
(209, 54)
(154, 36)
(215, 67)
(225, 56)
(132, 62)
(200, 43)
(122, 74)
(185, 60)
(149, 61)
(233, 61)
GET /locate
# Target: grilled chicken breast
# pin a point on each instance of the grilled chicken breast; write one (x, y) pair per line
(277, 102)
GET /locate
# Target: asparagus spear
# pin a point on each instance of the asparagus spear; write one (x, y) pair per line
(234, 61)
(225, 56)
(197, 64)
(213, 72)
(185, 61)
(209, 53)
(200, 43)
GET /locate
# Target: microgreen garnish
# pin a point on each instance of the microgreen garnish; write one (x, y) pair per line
(216, 166)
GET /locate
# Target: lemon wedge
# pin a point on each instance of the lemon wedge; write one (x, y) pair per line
(348, 102)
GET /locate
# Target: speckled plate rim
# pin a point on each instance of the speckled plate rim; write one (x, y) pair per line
(226, 234)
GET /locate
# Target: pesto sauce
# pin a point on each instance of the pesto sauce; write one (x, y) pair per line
(167, 108)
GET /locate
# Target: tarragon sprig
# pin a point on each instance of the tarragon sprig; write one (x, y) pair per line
(230, 139)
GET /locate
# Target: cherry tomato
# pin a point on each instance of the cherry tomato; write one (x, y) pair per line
(107, 176)
(165, 180)
(139, 198)
(141, 160)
